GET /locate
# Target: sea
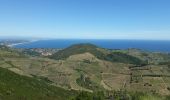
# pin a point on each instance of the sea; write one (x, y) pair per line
(148, 45)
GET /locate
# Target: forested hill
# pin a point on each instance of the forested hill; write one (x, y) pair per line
(100, 53)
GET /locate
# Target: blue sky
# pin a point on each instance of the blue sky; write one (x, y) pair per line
(87, 19)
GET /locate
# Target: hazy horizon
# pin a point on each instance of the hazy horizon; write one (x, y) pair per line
(50, 38)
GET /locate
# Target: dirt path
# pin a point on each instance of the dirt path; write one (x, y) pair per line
(105, 85)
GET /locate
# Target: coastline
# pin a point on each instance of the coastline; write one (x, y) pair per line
(154, 46)
(15, 44)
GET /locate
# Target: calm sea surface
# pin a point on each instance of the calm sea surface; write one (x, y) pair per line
(150, 45)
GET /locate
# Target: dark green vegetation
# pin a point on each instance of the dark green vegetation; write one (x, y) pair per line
(96, 51)
(124, 58)
(118, 95)
(17, 87)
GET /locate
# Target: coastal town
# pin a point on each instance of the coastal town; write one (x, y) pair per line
(45, 51)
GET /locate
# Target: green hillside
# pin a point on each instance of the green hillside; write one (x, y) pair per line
(76, 49)
(16, 87)
(84, 72)
(9, 52)
(96, 51)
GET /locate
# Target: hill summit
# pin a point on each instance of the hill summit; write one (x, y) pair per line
(76, 49)
(100, 53)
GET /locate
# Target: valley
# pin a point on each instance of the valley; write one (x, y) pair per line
(88, 68)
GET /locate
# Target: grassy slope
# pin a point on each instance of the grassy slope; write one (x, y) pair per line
(16, 87)
(9, 52)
